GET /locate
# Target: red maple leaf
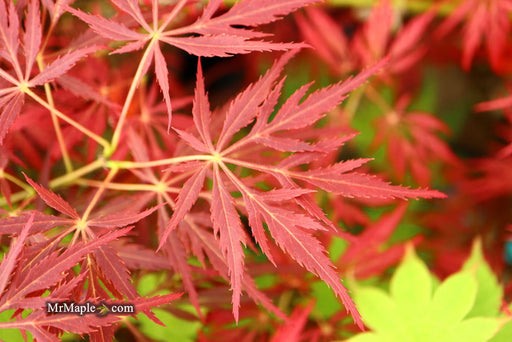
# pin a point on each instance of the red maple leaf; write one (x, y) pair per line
(289, 218)
(17, 81)
(208, 36)
(486, 22)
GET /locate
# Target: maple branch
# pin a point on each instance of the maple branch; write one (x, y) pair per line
(161, 162)
(126, 186)
(129, 97)
(70, 177)
(53, 23)
(57, 182)
(55, 121)
(18, 196)
(67, 119)
(98, 194)
(16, 181)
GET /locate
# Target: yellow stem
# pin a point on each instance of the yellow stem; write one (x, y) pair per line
(124, 186)
(16, 181)
(57, 182)
(55, 121)
(69, 177)
(137, 165)
(98, 194)
(131, 92)
(70, 121)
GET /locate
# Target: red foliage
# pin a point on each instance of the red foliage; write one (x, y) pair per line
(109, 171)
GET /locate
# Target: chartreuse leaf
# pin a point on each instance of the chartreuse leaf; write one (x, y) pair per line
(369, 337)
(411, 289)
(451, 303)
(381, 314)
(414, 312)
(504, 335)
(488, 297)
(472, 330)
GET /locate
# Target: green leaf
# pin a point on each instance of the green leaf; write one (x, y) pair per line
(411, 286)
(452, 301)
(504, 335)
(380, 313)
(411, 289)
(472, 330)
(489, 295)
(368, 337)
(411, 313)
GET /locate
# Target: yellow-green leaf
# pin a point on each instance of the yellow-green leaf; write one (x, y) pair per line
(489, 295)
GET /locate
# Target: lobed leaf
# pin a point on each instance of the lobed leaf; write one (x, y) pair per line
(224, 45)
(51, 269)
(9, 261)
(41, 223)
(32, 37)
(120, 219)
(186, 199)
(11, 109)
(61, 65)
(254, 13)
(53, 200)
(114, 271)
(105, 27)
(226, 223)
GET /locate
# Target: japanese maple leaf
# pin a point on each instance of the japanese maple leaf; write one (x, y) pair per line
(493, 173)
(366, 257)
(208, 36)
(189, 238)
(333, 48)
(412, 141)
(23, 275)
(16, 83)
(372, 42)
(376, 39)
(290, 217)
(109, 267)
(504, 103)
(486, 22)
(292, 329)
(494, 178)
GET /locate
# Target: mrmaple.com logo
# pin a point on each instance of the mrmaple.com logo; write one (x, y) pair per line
(101, 309)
